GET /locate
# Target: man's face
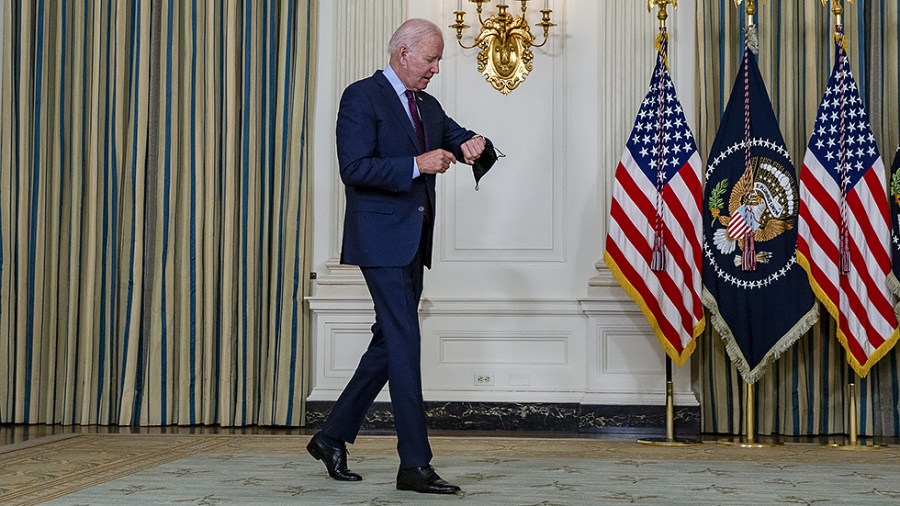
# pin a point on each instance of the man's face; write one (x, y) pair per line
(419, 65)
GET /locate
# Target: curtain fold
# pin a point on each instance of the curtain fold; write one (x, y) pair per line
(805, 392)
(155, 211)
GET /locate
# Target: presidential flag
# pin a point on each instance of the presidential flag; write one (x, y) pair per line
(894, 199)
(759, 299)
(844, 230)
(653, 245)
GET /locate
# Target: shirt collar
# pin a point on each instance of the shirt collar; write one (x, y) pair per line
(392, 78)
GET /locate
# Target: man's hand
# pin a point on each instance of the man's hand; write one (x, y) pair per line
(472, 149)
(435, 162)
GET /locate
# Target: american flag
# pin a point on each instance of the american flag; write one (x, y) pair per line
(653, 245)
(844, 229)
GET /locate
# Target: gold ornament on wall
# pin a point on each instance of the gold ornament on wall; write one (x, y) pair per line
(505, 40)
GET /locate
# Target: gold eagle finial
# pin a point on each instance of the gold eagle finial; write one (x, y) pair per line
(836, 8)
(662, 4)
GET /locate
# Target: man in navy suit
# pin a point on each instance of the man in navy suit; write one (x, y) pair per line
(392, 141)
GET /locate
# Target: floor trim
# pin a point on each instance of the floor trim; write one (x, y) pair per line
(553, 417)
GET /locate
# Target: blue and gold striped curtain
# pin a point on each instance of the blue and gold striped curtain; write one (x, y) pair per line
(804, 393)
(154, 211)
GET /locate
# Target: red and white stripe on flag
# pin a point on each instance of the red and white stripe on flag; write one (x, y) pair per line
(669, 299)
(859, 299)
(655, 208)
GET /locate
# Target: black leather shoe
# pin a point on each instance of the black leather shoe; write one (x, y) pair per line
(424, 480)
(335, 459)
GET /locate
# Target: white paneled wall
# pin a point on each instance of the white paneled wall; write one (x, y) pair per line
(518, 306)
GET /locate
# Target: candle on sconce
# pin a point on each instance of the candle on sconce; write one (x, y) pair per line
(459, 5)
(546, 5)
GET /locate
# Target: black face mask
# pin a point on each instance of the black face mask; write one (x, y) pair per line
(485, 161)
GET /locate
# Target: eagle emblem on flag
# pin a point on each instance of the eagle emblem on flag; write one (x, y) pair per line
(762, 202)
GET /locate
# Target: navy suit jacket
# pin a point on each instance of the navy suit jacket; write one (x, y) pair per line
(376, 144)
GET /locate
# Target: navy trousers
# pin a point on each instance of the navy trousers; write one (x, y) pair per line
(393, 356)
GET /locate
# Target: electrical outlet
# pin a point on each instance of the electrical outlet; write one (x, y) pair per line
(483, 380)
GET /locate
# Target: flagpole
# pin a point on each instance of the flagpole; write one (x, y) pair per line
(853, 441)
(670, 439)
(748, 261)
(750, 11)
(749, 440)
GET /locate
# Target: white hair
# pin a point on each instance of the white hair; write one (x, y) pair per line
(411, 33)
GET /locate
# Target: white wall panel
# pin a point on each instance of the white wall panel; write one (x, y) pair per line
(504, 348)
(530, 350)
(342, 334)
(344, 343)
(621, 346)
(518, 212)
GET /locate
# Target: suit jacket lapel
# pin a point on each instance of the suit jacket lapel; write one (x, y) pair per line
(393, 101)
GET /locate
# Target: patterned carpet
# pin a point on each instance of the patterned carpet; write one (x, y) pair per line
(107, 469)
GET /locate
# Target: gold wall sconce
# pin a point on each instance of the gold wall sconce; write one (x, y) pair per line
(505, 41)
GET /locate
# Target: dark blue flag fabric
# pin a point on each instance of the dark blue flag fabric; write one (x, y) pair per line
(894, 192)
(759, 298)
